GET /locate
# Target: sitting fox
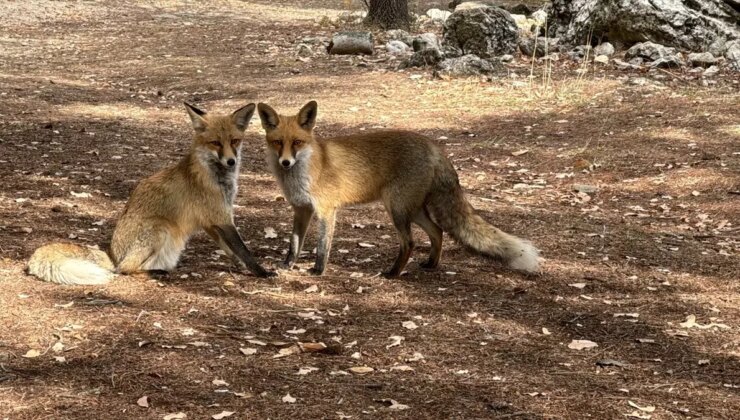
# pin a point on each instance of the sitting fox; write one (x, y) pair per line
(406, 171)
(165, 210)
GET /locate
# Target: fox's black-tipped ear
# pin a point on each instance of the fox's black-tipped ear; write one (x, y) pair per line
(307, 115)
(268, 116)
(241, 116)
(196, 116)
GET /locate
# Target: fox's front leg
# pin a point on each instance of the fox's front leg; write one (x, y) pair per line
(230, 236)
(326, 221)
(213, 233)
(301, 219)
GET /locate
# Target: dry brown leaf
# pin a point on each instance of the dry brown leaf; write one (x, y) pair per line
(32, 353)
(582, 344)
(248, 351)
(361, 370)
(409, 325)
(312, 347)
(143, 401)
(647, 408)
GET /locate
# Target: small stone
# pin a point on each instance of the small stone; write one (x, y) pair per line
(602, 59)
(585, 188)
(437, 15)
(400, 35)
(396, 47)
(704, 59)
(604, 48)
(304, 51)
(710, 71)
(425, 41)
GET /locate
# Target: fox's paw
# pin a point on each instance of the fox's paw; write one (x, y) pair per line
(285, 265)
(238, 263)
(315, 271)
(429, 265)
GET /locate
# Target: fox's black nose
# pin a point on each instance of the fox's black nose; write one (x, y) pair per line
(286, 162)
(231, 162)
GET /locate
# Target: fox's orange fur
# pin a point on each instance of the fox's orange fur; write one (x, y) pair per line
(406, 171)
(165, 210)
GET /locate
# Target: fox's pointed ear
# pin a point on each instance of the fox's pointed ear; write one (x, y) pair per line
(196, 116)
(242, 116)
(268, 116)
(307, 115)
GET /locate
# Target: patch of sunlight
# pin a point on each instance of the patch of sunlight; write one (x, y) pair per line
(396, 100)
(680, 182)
(732, 130)
(673, 133)
(119, 111)
(244, 9)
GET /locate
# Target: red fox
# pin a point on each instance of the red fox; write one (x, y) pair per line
(406, 171)
(165, 210)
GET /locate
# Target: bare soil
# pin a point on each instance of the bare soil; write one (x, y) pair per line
(90, 101)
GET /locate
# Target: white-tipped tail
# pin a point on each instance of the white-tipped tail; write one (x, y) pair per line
(71, 264)
(528, 260)
(80, 272)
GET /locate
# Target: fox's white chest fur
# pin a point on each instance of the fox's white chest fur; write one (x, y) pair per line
(295, 182)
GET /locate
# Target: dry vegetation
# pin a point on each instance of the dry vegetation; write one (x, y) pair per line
(90, 101)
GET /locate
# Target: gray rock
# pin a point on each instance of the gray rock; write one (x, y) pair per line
(486, 32)
(397, 47)
(704, 59)
(623, 65)
(603, 59)
(540, 17)
(604, 48)
(690, 25)
(537, 48)
(585, 188)
(710, 71)
(437, 15)
(425, 41)
(400, 35)
(304, 51)
(506, 58)
(718, 47)
(649, 51)
(467, 65)
(580, 52)
(521, 9)
(467, 5)
(669, 61)
(732, 54)
(423, 58)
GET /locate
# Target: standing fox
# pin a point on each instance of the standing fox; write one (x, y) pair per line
(406, 171)
(165, 210)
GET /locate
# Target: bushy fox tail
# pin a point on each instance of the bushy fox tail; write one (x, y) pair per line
(71, 264)
(448, 206)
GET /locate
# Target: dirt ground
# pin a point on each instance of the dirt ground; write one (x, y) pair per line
(91, 102)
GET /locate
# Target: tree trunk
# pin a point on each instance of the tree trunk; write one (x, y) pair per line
(388, 14)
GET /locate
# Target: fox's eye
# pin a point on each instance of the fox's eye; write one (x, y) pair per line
(276, 142)
(235, 142)
(215, 143)
(297, 142)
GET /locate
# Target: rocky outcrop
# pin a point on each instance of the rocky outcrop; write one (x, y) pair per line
(486, 32)
(690, 25)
